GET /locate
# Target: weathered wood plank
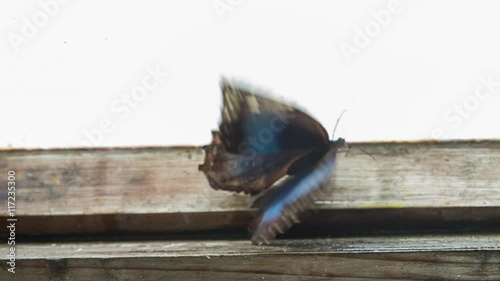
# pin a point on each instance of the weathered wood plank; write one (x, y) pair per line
(319, 223)
(430, 257)
(105, 187)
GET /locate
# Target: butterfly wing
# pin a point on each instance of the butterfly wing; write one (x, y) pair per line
(259, 140)
(241, 173)
(250, 119)
(281, 206)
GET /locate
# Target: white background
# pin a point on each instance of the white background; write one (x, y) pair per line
(408, 80)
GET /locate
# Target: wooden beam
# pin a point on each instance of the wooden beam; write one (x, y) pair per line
(120, 189)
(428, 257)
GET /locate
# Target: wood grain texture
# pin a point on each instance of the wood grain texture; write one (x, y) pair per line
(429, 257)
(104, 189)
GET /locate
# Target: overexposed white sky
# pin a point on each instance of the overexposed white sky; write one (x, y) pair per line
(134, 73)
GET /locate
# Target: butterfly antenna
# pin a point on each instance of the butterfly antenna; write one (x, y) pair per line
(334, 129)
(336, 124)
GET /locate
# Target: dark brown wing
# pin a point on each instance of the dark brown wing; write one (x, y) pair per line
(251, 119)
(240, 173)
(259, 140)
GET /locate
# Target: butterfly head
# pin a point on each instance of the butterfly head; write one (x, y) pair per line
(339, 142)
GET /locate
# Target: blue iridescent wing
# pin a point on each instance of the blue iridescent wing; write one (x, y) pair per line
(259, 141)
(245, 173)
(281, 206)
(264, 124)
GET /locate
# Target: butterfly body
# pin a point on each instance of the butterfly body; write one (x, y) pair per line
(261, 140)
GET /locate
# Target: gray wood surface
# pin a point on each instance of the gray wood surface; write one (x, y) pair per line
(97, 190)
(428, 257)
(398, 186)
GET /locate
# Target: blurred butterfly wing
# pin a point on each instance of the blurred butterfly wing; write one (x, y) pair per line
(259, 139)
(282, 205)
(266, 124)
(241, 173)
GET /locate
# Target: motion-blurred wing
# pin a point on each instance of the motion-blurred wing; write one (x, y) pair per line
(250, 119)
(282, 205)
(243, 173)
(258, 142)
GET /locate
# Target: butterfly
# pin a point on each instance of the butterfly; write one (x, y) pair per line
(260, 141)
